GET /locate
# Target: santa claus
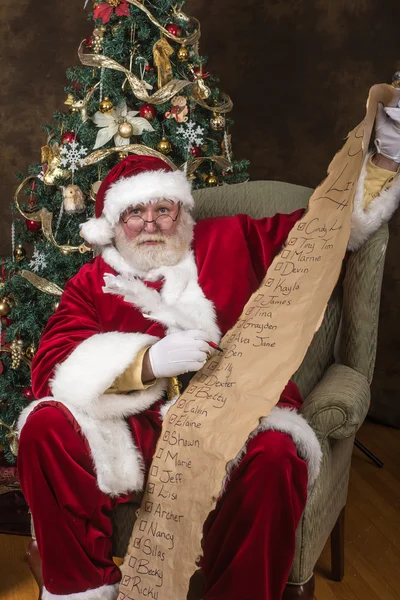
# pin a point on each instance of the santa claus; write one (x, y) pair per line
(140, 314)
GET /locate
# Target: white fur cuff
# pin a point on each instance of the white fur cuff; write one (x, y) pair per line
(364, 223)
(93, 366)
(105, 592)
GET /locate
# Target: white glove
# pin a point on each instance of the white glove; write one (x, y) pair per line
(387, 132)
(179, 353)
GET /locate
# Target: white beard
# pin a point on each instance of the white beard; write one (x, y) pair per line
(168, 252)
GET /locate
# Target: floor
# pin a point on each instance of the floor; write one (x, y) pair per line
(372, 532)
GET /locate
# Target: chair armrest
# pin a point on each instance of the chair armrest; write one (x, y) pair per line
(338, 405)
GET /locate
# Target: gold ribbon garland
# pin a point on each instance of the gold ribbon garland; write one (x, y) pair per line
(137, 85)
(194, 164)
(45, 217)
(44, 285)
(225, 106)
(164, 94)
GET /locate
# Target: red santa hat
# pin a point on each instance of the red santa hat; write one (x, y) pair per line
(135, 180)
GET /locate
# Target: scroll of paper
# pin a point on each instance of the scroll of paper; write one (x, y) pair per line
(224, 402)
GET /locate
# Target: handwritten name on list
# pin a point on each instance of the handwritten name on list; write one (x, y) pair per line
(212, 420)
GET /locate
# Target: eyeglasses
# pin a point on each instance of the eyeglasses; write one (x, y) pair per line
(163, 222)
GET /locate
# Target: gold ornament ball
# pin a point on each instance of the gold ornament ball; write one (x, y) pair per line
(19, 253)
(114, 3)
(106, 105)
(164, 146)
(5, 307)
(183, 54)
(212, 179)
(30, 352)
(73, 110)
(125, 130)
(122, 155)
(217, 122)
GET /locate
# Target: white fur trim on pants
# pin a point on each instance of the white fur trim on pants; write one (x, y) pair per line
(288, 421)
(105, 592)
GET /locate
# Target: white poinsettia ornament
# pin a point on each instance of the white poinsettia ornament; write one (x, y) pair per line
(119, 123)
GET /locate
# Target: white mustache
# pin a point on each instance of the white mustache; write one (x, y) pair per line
(150, 238)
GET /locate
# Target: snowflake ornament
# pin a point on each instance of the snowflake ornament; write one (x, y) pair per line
(38, 261)
(72, 156)
(192, 134)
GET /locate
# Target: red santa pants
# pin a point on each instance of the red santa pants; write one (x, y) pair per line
(249, 539)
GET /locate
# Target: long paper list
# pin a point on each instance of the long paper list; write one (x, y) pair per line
(212, 420)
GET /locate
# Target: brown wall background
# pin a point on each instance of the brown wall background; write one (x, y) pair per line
(298, 72)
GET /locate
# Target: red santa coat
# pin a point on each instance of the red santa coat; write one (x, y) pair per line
(94, 336)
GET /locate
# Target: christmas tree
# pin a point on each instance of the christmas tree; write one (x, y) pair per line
(142, 87)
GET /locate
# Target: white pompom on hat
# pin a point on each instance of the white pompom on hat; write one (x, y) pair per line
(135, 180)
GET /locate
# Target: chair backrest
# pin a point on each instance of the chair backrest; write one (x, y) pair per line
(349, 329)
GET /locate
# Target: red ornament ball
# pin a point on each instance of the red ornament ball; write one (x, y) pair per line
(149, 68)
(6, 321)
(196, 151)
(148, 111)
(28, 393)
(68, 137)
(89, 41)
(33, 226)
(174, 29)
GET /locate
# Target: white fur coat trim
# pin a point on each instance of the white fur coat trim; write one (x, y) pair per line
(365, 222)
(294, 424)
(79, 383)
(92, 367)
(180, 305)
(105, 592)
(117, 461)
(144, 188)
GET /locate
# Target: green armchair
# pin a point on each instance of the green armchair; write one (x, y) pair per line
(334, 378)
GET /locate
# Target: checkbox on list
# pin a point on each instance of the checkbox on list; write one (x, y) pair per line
(150, 488)
(292, 241)
(132, 561)
(136, 543)
(191, 389)
(143, 525)
(181, 403)
(301, 226)
(166, 436)
(285, 254)
(269, 282)
(154, 471)
(159, 452)
(278, 266)
(148, 507)
(126, 580)
(172, 419)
